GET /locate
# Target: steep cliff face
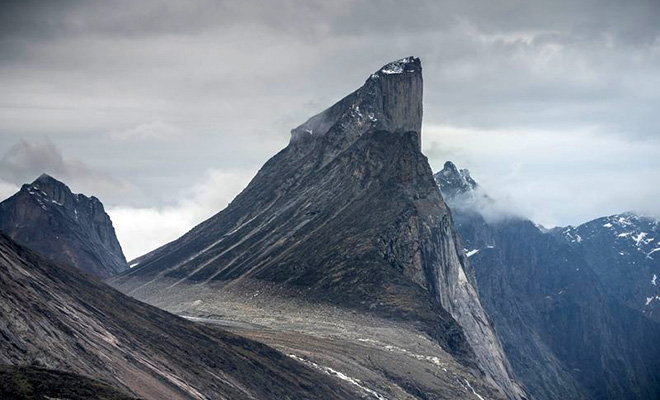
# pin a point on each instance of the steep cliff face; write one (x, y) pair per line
(66, 227)
(348, 215)
(57, 317)
(564, 335)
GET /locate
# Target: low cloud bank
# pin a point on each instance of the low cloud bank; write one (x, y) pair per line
(141, 230)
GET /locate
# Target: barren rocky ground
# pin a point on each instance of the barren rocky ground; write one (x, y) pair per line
(382, 359)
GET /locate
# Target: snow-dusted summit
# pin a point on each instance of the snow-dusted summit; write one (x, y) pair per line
(64, 226)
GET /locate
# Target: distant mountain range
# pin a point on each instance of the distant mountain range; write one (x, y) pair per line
(568, 304)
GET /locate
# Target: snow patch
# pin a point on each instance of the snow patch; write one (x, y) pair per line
(431, 359)
(473, 391)
(648, 255)
(650, 299)
(396, 67)
(472, 252)
(639, 238)
(344, 377)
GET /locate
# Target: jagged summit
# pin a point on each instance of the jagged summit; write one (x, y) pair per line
(404, 65)
(390, 100)
(45, 181)
(48, 217)
(51, 190)
(454, 182)
(44, 178)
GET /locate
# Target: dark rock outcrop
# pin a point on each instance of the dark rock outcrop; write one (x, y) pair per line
(57, 317)
(564, 334)
(65, 227)
(347, 215)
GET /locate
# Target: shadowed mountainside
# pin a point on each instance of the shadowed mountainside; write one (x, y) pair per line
(65, 227)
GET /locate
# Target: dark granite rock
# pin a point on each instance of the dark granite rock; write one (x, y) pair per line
(65, 227)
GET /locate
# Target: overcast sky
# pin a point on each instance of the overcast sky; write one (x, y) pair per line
(166, 109)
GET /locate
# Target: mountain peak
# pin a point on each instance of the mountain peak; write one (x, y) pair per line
(454, 182)
(46, 179)
(404, 65)
(43, 177)
(390, 100)
(48, 217)
(50, 186)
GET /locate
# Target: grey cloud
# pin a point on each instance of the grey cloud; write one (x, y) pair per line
(25, 161)
(150, 131)
(234, 78)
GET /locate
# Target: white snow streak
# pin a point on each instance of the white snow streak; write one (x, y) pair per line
(339, 375)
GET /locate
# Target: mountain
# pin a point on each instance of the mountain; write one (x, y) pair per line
(57, 317)
(65, 227)
(455, 183)
(624, 252)
(347, 219)
(564, 334)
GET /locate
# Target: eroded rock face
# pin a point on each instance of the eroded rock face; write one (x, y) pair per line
(565, 334)
(65, 227)
(348, 215)
(57, 317)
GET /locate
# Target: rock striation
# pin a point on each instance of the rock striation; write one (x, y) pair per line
(57, 317)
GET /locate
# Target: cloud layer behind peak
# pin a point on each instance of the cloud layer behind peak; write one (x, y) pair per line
(141, 99)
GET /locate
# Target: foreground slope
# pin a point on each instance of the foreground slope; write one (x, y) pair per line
(565, 336)
(34, 383)
(58, 317)
(348, 216)
(66, 227)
